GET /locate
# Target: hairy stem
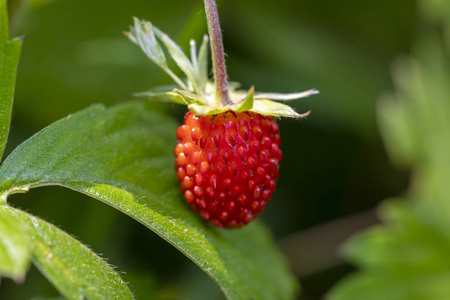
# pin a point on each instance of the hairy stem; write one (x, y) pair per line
(218, 56)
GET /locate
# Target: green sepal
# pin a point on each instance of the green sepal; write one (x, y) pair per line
(198, 93)
(178, 56)
(190, 98)
(272, 108)
(162, 96)
(247, 104)
(286, 97)
(203, 110)
(143, 35)
(203, 60)
(244, 105)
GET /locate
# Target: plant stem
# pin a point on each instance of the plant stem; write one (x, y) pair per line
(218, 56)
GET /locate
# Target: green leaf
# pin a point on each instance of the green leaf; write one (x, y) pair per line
(4, 26)
(76, 271)
(397, 135)
(414, 123)
(405, 259)
(15, 247)
(123, 157)
(9, 58)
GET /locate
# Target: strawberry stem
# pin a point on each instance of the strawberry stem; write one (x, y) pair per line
(218, 57)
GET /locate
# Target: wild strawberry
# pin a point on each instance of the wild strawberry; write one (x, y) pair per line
(227, 165)
(228, 154)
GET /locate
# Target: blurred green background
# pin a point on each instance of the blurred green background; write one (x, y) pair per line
(335, 164)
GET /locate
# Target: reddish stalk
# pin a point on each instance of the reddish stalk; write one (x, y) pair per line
(218, 56)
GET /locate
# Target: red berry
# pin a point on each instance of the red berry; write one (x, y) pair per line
(227, 165)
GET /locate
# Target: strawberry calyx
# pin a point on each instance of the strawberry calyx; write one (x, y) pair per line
(197, 91)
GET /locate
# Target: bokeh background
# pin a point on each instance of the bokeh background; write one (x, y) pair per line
(335, 169)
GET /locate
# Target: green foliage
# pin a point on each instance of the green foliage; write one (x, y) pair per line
(71, 267)
(344, 50)
(15, 247)
(415, 123)
(333, 165)
(404, 259)
(123, 156)
(407, 257)
(9, 57)
(74, 270)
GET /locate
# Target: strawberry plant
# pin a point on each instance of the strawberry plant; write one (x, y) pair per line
(228, 156)
(122, 156)
(324, 177)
